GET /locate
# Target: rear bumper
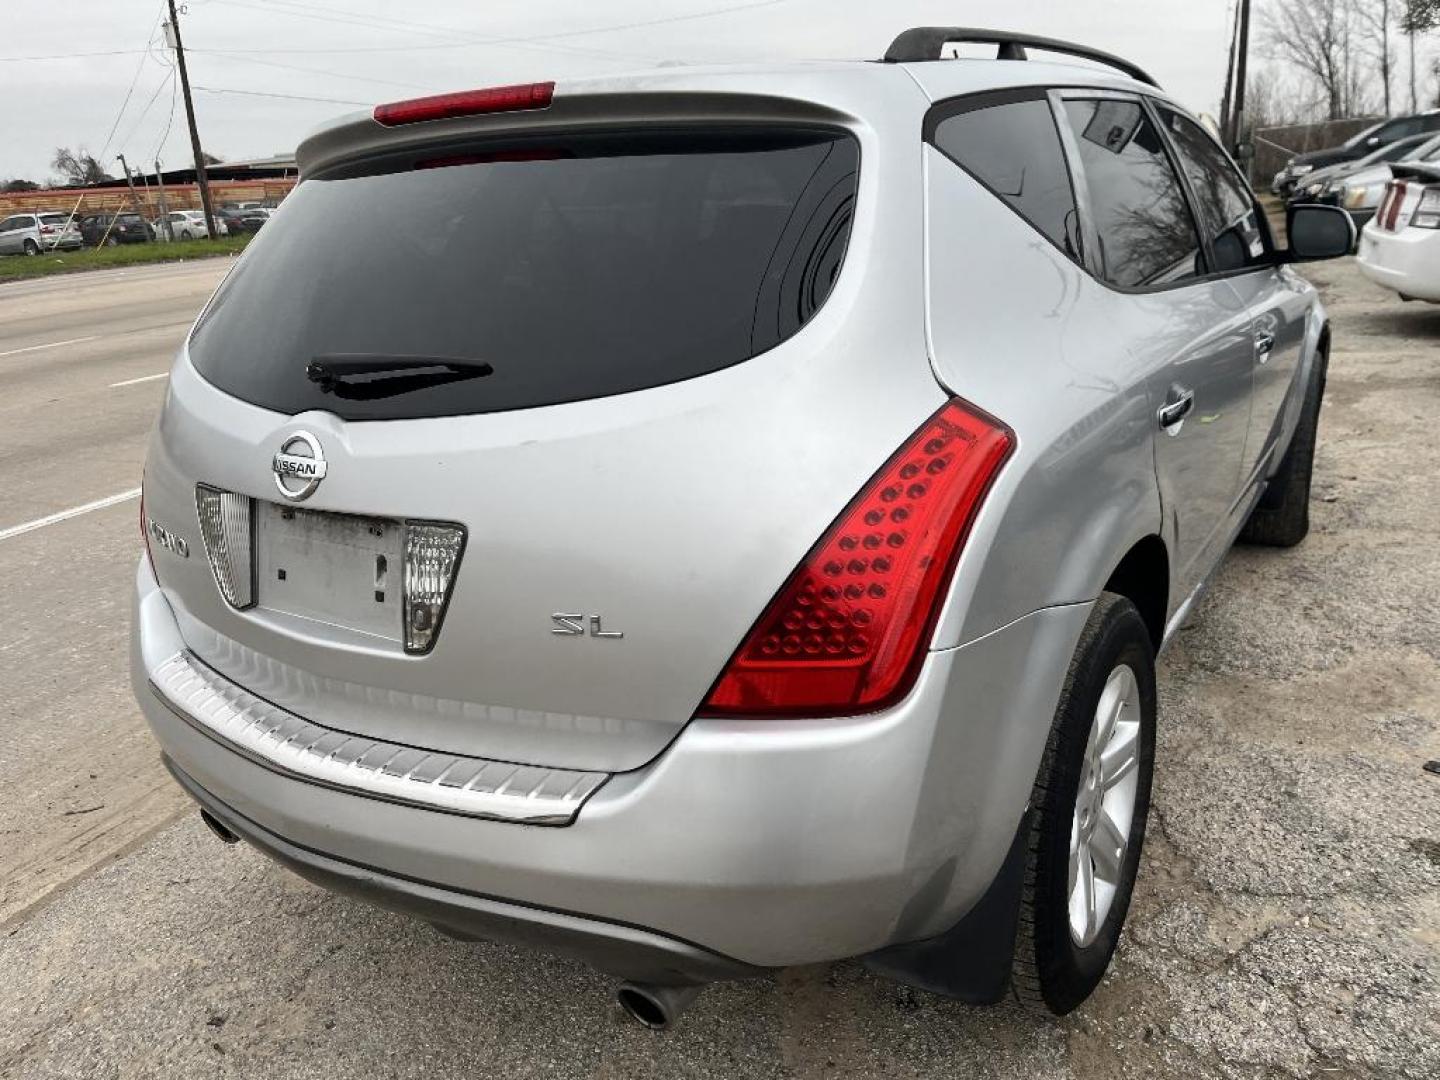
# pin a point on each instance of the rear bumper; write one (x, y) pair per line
(625, 951)
(1407, 261)
(746, 844)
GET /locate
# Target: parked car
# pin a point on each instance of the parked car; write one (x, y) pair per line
(114, 229)
(1361, 191)
(1372, 138)
(189, 225)
(233, 220)
(1316, 185)
(31, 234)
(786, 486)
(1400, 248)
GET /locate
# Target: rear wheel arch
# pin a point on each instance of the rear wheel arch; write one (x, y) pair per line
(1143, 577)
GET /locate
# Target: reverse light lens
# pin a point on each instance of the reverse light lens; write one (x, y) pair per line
(847, 633)
(496, 99)
(227, 526)
(431, 555)
(1427, 211)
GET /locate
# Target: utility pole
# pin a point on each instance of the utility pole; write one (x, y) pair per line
(200, 179)
(130, 183)
(1242, 54)
(1227, 136)
(164, 210)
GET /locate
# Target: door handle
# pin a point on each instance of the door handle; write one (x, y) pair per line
(1172, 414)
(1264, 342)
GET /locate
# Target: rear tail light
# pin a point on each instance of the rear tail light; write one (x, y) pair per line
(227, 525)
(1393, 200)
(496, 99)
(431, 554)
(47, 229)
(848, 632)
(1426, 214)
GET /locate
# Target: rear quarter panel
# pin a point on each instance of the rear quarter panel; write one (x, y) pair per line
(1015, 327)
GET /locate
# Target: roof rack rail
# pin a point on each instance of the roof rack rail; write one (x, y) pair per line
(928, 43)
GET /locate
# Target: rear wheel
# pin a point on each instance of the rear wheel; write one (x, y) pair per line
(32, 248)
(1282, 518)
(1090, 805)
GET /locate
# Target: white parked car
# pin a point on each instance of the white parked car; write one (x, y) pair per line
(1400, 248)
(187, 225)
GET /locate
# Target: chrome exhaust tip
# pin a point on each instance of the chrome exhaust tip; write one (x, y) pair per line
(215, 826)
(656, 1007)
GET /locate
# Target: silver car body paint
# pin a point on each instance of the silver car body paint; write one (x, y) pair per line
(733, 834)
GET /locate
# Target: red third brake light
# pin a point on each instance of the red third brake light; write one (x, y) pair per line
(847, 633)
(467, 103)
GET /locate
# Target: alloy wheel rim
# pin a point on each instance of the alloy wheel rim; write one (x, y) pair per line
(1104, 806)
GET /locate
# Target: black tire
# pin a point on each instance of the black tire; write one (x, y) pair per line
(31, 248)
(1282, 517)
(1051, 971)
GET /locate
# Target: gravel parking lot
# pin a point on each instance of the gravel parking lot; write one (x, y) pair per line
(1287, 921)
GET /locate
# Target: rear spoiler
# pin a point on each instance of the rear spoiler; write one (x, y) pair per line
(1423, 171)
(360, 135)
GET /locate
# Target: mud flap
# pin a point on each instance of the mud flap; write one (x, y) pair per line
(970, 961)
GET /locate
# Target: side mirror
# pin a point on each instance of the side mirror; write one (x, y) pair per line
(1318, 232)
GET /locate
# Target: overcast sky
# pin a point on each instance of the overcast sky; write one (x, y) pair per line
(364, 51)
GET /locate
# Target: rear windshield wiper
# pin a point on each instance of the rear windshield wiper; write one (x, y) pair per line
(369, 376)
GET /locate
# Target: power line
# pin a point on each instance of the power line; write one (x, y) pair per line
(520, 39)
(138, 68)
(70, 56)
(379, 22)
(288, 97)
(174, 81)
(146, 111)
(226, 55)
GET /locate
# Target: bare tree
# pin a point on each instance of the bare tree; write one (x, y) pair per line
(18, 184)
(1376, 21)
(1418, 17)
(78, 167)
(1314, 36)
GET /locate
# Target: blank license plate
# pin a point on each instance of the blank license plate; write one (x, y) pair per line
(337, 569)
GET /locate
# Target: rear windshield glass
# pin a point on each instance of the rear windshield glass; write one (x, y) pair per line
(478, 281)
(53, 219)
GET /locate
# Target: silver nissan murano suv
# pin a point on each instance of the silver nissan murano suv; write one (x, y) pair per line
(726, 518)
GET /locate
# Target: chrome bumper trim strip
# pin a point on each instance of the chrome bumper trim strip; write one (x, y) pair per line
(280, 740)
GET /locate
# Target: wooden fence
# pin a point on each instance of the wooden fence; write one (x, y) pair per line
(117, 197)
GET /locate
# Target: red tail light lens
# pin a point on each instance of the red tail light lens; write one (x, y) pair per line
(1396, 197)
(467, 103)
(848, 631)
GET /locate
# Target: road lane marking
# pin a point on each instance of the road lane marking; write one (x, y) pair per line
(66, 515)
(143, 378)
(51, 345)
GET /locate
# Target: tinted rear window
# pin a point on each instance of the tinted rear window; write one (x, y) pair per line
(575, 270)
(53, 219)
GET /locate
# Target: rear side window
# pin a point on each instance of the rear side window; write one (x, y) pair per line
(574, 270)
(1147, 236)
(1227, 212)
(1013, 148)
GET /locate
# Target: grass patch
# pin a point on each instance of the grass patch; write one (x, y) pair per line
(13, 267)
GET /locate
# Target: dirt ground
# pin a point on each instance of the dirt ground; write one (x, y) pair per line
(1287, 921)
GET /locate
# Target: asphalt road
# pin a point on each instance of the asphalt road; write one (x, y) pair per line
(1287, 922)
